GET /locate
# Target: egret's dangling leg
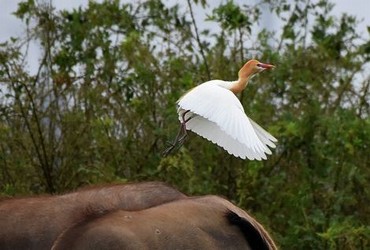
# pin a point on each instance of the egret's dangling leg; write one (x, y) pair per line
(181, 135)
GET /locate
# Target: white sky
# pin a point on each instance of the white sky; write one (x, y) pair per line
(11, 26)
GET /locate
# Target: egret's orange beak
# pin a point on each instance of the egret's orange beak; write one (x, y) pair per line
(265, 66)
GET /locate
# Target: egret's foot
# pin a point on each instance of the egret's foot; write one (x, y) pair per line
(180, 137)
(174, 145)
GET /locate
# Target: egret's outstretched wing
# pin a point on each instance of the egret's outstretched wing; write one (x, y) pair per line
(221, 119)
(211, 131)
(264, 136)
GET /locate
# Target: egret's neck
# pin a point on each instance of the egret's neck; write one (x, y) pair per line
(239, 85)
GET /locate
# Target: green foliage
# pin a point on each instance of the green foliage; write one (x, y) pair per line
(231, 17)
(101, 108)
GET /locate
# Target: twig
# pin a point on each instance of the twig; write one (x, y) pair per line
(198, 40)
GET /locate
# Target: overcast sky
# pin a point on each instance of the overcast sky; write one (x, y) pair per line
(11, 26)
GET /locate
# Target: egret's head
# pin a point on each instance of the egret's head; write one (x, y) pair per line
(253, 67)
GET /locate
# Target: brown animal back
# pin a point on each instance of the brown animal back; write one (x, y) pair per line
(35, 222)
(193, 223)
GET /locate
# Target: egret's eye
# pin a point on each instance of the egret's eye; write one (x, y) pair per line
(259, 66)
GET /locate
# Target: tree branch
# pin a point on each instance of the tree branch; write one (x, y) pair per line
(198, 40)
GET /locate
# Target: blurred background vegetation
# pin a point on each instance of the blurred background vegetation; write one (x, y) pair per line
(100, 108)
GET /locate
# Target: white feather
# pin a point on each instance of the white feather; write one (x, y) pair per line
(218, 116)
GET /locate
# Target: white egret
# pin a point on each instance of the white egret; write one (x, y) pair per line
(213, 111)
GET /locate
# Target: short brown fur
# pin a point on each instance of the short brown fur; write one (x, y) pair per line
(192, 223)
(34, 223)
